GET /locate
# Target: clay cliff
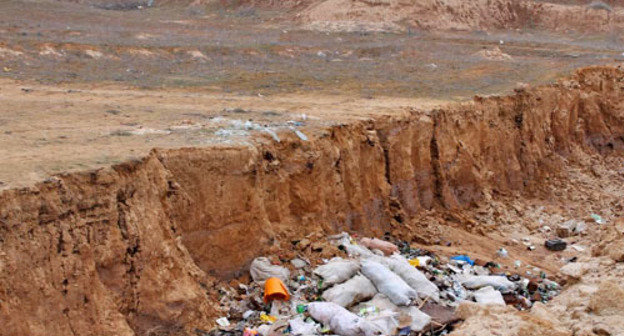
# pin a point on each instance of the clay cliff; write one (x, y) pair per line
(137, 248)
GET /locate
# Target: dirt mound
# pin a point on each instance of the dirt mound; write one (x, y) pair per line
(424, 14)
(459, 15)
(494, 54)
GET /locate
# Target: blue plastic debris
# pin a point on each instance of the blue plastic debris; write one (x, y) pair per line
(463, 258)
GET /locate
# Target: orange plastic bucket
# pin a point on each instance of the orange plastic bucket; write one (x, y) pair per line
(274, 289)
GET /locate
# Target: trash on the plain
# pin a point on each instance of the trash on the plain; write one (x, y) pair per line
(299, 134)
(462, 259)
(377, 244)
(358, 251)
(420, 261)
(248, 314)
(300, 327)
(384, 323)
(392, 281)
(597, 219)
(272, 134)
(354, 290)
(339, 320)
(419, 319)
(381, 302)
(274, 289)
(570, 228)
(250, 332)
(336, 271)
(414, 278)
(389, 283)
(502, 252)
(488, 295)
(223, 322)
(267, 318)
(479, 281)
(262, 269)
(298, 263)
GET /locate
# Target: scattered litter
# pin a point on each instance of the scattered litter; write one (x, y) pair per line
(274, 289)
(377, 244)
(597, 219)
(414, 278)
(299, 134)
(389, 283)
(272, 134)
(479, 281)
(223, 322)
(339, 320)
(393, 289)
(570, 228)
(502, 252)
(250, 332)
(488, 295)
(299, 327)
(462, 259)
(336, 271)
(261, 269)
(298, 263)
(354, 290)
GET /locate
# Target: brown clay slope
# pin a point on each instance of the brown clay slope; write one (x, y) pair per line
(126, 250)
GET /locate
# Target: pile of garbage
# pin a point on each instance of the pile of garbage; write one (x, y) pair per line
(375, 288)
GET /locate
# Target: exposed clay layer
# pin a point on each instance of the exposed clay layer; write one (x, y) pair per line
(132, 248)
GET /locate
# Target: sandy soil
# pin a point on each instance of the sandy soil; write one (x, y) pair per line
(174, 76)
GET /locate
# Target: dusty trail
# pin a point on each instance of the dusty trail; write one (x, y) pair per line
(143, 245)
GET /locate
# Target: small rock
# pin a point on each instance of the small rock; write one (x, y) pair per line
(563, 231)
(317, 247)
(608, 300)
(304, 243)
(574, 271)
(555, 245)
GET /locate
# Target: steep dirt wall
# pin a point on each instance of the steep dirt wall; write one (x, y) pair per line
(133, 248)
(96, 254)
(363, 177)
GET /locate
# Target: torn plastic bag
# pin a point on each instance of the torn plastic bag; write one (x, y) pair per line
(340, 320)
(489, 295)
(340, 239)
(418, 319)
(479, 281)
(414, 278)
(336, 271)
(385, 323)
(262, 269)
(379, 302)
(358, 251)
(299, 327)
(389, 283)
(355, 290)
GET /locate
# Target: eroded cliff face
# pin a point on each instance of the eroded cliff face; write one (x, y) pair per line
(135, 248)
